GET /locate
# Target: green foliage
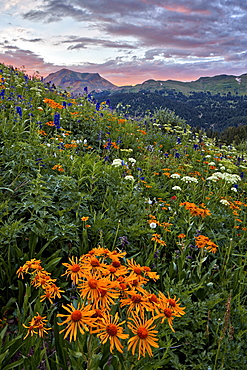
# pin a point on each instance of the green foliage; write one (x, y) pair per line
(128, 177)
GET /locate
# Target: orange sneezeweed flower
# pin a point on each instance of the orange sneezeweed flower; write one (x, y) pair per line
(110, 329)
(168, 309)
(137, 303)
(37, 323)
(92, 288)
(204, 242)
(196, 211)
(181, 236)
(79, 318)
(74, 270)
(92, 265)
(84, 218)
(144, 336)
(157, 239)
(53, 104)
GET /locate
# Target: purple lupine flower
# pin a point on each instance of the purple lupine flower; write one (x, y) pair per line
(19, 111)
(57, 120)
(123, 240)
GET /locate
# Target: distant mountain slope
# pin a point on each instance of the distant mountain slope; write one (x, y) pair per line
(221, 84)
(76, 82)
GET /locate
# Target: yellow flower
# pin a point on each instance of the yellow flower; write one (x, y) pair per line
(144, 338)
(77, 319)
(110, 329)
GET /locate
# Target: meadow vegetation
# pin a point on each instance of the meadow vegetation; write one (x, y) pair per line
(123, 242)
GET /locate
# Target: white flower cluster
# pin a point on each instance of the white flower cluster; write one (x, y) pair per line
(120, 162)
(129, 178)
(175, 176)
(189, 179)
(132, 161)
(225, 202)
(117, 162)
(231, 178)
(176, 188)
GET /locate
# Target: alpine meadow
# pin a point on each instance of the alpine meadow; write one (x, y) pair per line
(123, 240)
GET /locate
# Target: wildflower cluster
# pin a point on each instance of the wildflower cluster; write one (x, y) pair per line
(37, 326)
(110, 295)
(195, 210)
(40, 278)
(204, 242)
(53, 104)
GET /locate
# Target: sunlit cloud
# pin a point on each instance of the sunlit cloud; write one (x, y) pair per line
(126, 42)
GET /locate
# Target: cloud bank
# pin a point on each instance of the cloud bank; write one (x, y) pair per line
(130, 41)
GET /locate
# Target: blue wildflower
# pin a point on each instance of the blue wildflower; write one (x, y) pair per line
(57, 120)
(19, 111)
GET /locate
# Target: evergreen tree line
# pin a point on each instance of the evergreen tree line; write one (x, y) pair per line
(221, 116)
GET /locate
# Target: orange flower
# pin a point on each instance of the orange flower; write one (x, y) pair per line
(74, 270)
(196, 211)
(144, 338)
(110, 329)
(84, 218)
(92, 288)
(181, 236)
(204, 242)
(168, 309)
(37, 323)
(137, 303)
(79, 318)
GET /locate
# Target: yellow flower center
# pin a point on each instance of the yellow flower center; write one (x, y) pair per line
(76, 315)
(142, 332)
(122, 286)
(111, 329)
(98, 313)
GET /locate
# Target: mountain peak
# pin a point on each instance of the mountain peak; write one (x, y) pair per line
(77, 81)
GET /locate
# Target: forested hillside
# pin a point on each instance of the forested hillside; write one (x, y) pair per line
(212, 113)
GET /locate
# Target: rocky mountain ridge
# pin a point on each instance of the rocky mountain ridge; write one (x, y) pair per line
(76, 82)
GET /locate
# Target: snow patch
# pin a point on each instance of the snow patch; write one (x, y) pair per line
(238, 79)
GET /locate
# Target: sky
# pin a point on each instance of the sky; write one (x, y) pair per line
(128, 41)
